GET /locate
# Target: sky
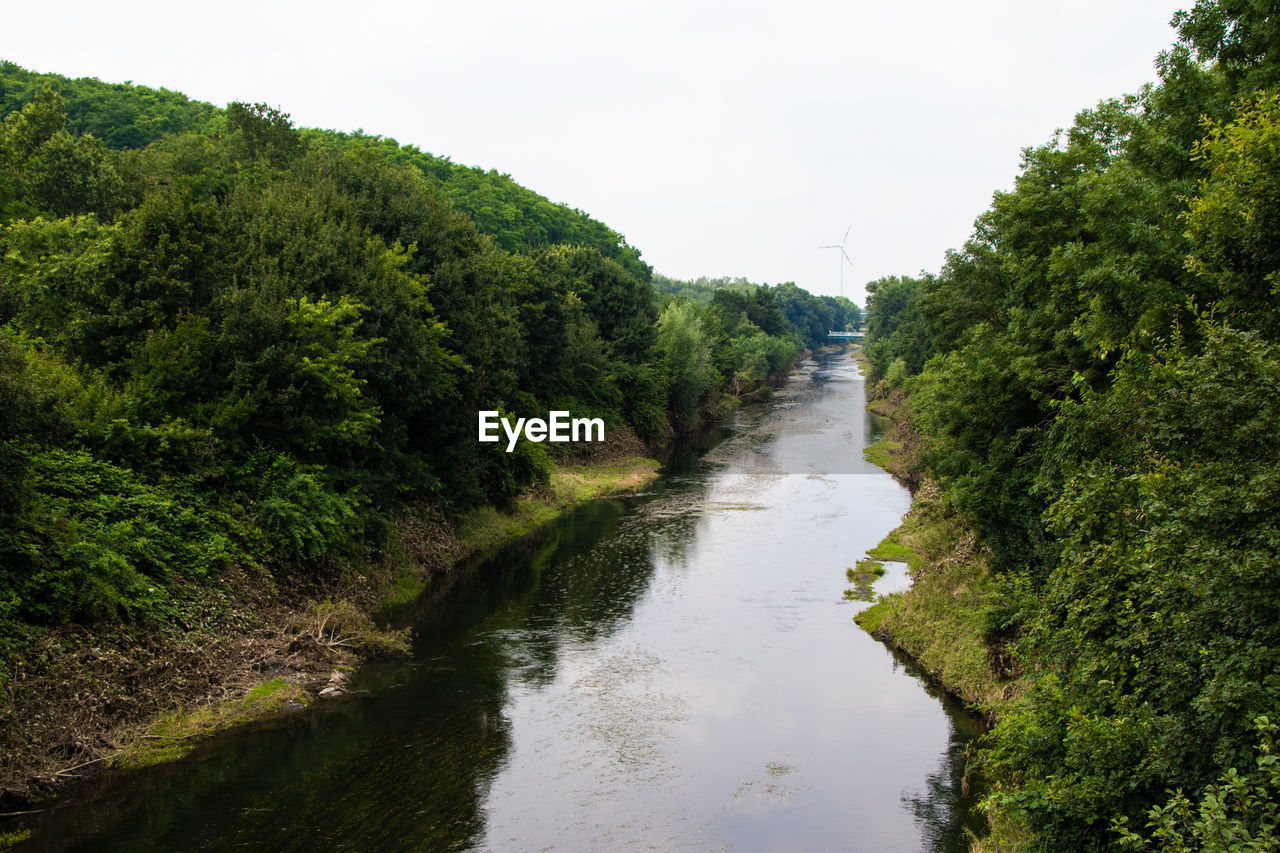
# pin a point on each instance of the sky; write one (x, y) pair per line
(720, 139)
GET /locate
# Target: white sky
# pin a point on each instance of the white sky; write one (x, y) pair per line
(719, 138)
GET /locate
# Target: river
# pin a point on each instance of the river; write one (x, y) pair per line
(672, 671)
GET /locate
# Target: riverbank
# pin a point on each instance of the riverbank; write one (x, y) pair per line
(940, 621)
(91, 698)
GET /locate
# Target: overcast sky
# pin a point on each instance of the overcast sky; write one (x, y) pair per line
(721, 139)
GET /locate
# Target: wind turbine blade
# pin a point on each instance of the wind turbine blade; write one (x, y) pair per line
(831, 247)
(846, 236)
(846, 256)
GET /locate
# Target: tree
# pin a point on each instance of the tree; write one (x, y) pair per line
(687, 361)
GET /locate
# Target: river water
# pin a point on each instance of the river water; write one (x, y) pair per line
(672, 671)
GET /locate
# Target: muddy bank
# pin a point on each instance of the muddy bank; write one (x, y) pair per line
(86, 698)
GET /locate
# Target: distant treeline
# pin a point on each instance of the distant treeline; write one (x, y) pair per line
(1097, 372)
(227, 341)
(811, 316)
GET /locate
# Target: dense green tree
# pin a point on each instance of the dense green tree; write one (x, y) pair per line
(227, 340)
(701, 290)
(686, 355)
(47, 170)
(1159, 638)
(1234, 220)
(896, 328)
(1100, 409)
(811, 316)
(758, 308)
(1241, 36)
(122, 115)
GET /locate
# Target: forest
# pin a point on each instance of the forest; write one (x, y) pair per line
(1095, 381)
(228, 343)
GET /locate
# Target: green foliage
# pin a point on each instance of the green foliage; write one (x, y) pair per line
(701, 290)
(814, 316)
(1240, 813)
(262, 131)
(1241, 36)
(225, 340)
(896, 374)
(1234, 219)
(96, 541)
(750, 355)
(896, 331)
(686, 354)
(44, 169)
(299, 514)
(518, 219)
(1160, 622)
(1100, 409)
(758, 309)
(122, 115)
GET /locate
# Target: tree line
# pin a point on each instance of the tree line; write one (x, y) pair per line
(1096, 373)
(225, 340)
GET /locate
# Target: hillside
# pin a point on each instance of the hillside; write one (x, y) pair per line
(241, 365)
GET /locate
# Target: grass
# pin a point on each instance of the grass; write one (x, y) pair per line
(940, 622)
(862, 576)
(873, 617)
(488, 528)
(860, 356)
(865, 569)
(881, 453)
(579, 483)
(175, 733)
(402, 590)
(10, 839)
(891, 550)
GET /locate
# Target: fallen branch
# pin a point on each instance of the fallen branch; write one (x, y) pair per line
(68, 770)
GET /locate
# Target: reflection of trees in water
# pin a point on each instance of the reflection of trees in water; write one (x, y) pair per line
(400, 770)
(408, 766)
(414, 787)
(429, 751)
(946, 809)
(671, 525)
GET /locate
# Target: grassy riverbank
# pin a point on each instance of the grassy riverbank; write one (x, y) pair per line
(476, 533)
(940, 622)
(488, 528)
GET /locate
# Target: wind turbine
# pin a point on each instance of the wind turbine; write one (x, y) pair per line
(844, 256)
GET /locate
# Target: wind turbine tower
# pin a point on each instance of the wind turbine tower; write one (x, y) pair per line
(844, 256)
